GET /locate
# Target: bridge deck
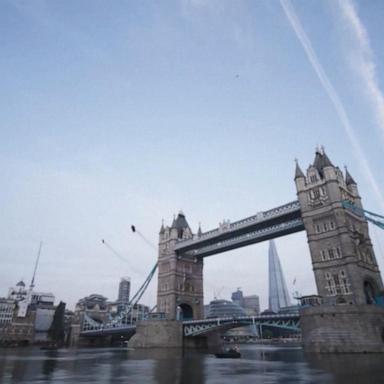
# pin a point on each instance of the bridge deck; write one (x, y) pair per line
(290, 321)
(263, 226)
(198, 327)
(109, 331)
(273, 316)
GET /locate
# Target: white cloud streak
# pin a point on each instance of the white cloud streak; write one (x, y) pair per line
(363, 61)
(333, 96)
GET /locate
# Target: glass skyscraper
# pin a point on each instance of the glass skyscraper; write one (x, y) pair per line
(278, 293)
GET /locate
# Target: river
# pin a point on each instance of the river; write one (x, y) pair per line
(258, 364)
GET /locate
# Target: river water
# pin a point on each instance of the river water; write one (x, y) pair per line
(258, 364)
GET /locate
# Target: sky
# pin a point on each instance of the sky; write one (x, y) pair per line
(125, 112)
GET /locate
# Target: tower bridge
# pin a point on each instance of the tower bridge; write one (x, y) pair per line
(343, 260)
(346, 272)
(344, 264)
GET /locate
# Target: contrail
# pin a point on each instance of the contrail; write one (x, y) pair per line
(132, 267)
(135, 230)
(364, 62)
(333, 96)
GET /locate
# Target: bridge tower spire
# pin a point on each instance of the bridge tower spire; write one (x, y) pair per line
(343, 260)
(180, 278)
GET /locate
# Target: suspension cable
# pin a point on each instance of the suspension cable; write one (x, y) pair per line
(377, 220)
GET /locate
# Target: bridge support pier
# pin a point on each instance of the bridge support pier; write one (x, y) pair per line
(212, 342)
(197, 342)
(343, 328)
(74, 335)
(158, 334)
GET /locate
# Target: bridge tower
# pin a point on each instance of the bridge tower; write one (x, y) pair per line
(180, 278)
(344, 264)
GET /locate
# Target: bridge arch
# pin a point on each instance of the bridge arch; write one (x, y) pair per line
(289, 322)
(371, 290)
(185, 312)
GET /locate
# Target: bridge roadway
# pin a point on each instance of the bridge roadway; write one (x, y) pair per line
(266, 225)
(116, 330)
(192, 328)
(289, 321)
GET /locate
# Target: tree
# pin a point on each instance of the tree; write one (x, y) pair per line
(56, 331)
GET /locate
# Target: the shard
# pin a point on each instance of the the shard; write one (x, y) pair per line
(278, 293)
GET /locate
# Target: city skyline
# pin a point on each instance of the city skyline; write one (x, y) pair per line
(123, 114)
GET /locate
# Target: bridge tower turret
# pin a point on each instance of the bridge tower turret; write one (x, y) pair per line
(342, 255)
(180, 279)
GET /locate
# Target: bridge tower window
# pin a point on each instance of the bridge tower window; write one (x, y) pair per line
(344, 284)
(316, 193)
(331, 286)
(337, 283)
(313, 178)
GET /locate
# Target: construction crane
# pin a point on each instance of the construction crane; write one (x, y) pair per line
(373, 218)
(23, 304)
(32, 285)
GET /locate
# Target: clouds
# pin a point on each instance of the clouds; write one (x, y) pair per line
(123, 114)
(363, 61)
(332, 93)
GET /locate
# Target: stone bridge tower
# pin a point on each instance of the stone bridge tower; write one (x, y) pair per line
(344, 264)
(180, 279)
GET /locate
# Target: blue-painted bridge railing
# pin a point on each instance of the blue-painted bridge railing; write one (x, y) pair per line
(289, 321)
